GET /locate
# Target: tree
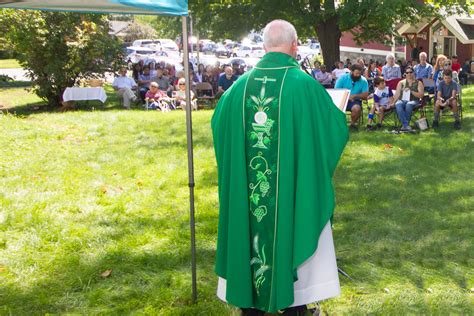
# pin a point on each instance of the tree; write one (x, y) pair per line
(165, 26)
(59, 49)
(367, 20)
(139, 31)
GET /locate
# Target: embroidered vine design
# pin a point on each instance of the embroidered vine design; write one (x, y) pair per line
(259, 162)
(261, 267)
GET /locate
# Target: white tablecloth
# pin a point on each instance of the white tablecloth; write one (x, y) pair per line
(84, 94)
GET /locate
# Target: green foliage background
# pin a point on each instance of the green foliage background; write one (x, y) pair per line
(58, 49)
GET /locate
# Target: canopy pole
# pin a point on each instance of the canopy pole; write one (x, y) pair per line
(189, 133)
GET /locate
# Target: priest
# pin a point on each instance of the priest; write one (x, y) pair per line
(278, 138)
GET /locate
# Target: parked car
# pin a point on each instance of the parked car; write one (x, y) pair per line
(257, 51)
(142, 42)
(232, 47)
(135, 54)
(221, 50)
(209, 48)
(168, 44)
(243, 51)
(202, 43)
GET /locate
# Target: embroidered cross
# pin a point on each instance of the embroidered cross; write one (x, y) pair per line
(264, 81)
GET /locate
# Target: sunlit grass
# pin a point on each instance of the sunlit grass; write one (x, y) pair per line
(9, 63)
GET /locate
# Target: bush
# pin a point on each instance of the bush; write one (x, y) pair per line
(59, 49)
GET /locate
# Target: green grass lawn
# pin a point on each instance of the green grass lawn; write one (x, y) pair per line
(9, 63)
(87, 191)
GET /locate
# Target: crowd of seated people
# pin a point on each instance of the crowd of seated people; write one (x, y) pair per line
(399, 86)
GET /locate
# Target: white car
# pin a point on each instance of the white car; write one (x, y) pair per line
(257, 51)
(246, 51)
(142, 43)
(135, 54)
(168, 44)
(243, 51)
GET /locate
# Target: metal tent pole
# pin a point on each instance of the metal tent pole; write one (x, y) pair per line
(189, 133)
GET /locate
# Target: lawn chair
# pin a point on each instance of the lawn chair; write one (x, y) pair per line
(446, 109)
(392, 83)
(390, 116)
(205, 93)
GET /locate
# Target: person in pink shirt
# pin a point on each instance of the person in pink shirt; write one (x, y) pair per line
(154, 96)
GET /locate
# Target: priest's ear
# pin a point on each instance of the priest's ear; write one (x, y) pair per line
(294, 48)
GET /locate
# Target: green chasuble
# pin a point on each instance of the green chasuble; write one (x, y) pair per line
(278, 138)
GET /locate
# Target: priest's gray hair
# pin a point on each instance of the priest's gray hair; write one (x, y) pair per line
(279, 33)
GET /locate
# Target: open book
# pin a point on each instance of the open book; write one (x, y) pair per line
(340, 97)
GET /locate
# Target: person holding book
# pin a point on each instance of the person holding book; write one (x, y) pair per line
(359, 87)
(278, 138)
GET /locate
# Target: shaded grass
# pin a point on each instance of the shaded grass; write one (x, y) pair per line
(9, 63)
(86, 191)
(18, 98)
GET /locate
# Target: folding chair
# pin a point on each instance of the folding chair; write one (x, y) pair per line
(390, 116)
(392, 83)
(458, 100)
(205, 93)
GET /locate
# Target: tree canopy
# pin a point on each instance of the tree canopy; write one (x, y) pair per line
(367, 20)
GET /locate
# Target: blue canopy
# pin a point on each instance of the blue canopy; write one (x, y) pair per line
(155, 7)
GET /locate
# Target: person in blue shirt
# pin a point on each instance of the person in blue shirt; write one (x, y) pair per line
(225, 81)
(359, 87)
(424, 71)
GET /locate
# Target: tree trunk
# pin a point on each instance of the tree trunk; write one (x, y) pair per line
(329, 35)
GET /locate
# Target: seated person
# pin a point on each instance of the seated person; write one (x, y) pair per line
(225, 81)
(124, 87)
(359, 91)
(144, 81)
(316, 69)
(371, 72)
(456, 66)
(324, 77)
(383, 102)
(424, 71)
(163, 80)
(408, 95)
(446, 96)
(465, 71)
(180, 95)
(391, 72)
(339, 71)
(154, 96)
(447, 66)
